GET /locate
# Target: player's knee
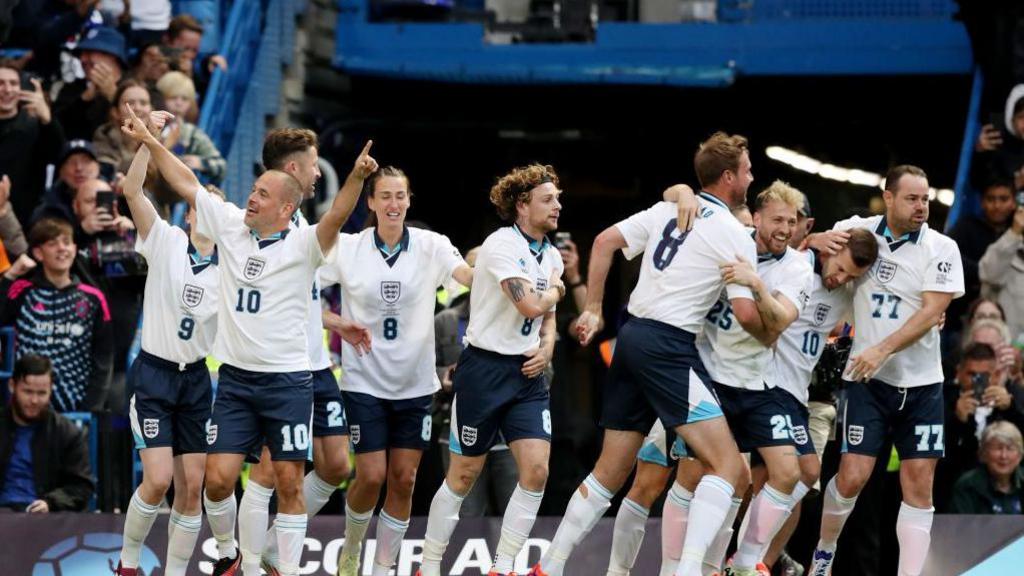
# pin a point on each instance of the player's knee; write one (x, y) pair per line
(372, 477)
(534, 476)
(218, 486)
(850, 481)
(401, 482)
(155, 485)
(335, 472)
(809, 471)
(645, 492)
(785, 474)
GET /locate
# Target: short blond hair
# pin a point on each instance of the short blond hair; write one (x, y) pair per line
(176, 83)
(780, 191)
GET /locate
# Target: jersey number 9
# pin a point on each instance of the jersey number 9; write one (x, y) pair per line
(185, 329)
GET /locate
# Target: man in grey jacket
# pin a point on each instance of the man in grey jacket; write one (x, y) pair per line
(1001, 270)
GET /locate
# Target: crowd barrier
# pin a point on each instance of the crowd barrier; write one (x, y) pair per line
(89, 544)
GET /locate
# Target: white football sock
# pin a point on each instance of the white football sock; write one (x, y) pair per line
(520, 515)
(914, 532)
(253, 515)
(390, 532)
(291, 535)
(441, 522)
(137, 523)
(708, 510)
(674, 516)
(356, 524)
(767, 512)
(317, 493)
(182, 542)
(588, 503)
(221, 518)
(627, 536)
(835, 510)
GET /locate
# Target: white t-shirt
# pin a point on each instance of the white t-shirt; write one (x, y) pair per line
(396, 302)
(264, 289)
(319, 358)
(179, 308)
(801, 345)
(679, 276)
(731, 355)
(891, 292)
(494, 322)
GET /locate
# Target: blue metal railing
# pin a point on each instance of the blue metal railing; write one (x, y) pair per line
(966, 200)
(87, 421)
(257, 44)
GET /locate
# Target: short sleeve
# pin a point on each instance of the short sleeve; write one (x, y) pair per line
(333, 270)
(155, 243)
(445, 256)
(211, 214)
(502, 263)
(310, 245)
(796, 284)
(738, 243)
(945, 271)
(636, 230)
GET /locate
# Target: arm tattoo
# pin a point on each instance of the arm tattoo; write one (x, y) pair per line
(515, 289)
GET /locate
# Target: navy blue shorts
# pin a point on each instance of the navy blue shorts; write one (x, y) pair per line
(911, 417)
(492, 395)
(328, 408)
(377, 424)
(797, 418)
(757, 418)
(656, 373)
(171, 404)
(253, 406)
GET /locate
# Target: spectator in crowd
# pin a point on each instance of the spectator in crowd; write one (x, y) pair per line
(56, 316)
(48, 26)
(77, 165)
(149, 20)
(83, 105)
(112, 146)
(108, 260)
(12, 239)
(999, 149)
(984, 309)
(994, 487)
(498, 479)
(151, 62)
(30, 138)
(1001, 271)
(43, 455)
(186, 34)
(974, 234)
(188, 141)
(978, 397)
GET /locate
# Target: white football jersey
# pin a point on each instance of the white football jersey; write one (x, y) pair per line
(393, 294)
(264, 289)
(891, 292)
(679, 275)
(319, 358)
(494, 322)
(731, 355)
(179, 307)
(801, 345)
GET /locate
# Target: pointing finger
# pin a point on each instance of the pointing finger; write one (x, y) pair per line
(366, 148)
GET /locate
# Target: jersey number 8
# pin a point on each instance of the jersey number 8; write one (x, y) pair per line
(671, 240)
(390, 328)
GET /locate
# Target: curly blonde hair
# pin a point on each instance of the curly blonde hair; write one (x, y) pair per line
(515, 187)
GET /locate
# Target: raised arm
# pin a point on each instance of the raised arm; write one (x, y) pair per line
(181, 178)
(601, 255)
(345, 201)
(143, 211)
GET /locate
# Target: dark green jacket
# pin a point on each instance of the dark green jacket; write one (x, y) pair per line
(974, 493)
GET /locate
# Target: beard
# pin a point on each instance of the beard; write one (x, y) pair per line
(21, 415)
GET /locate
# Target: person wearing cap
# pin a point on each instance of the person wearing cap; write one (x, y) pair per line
(77, 164)
(83, 105)
(804, 224)
(30, 138)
